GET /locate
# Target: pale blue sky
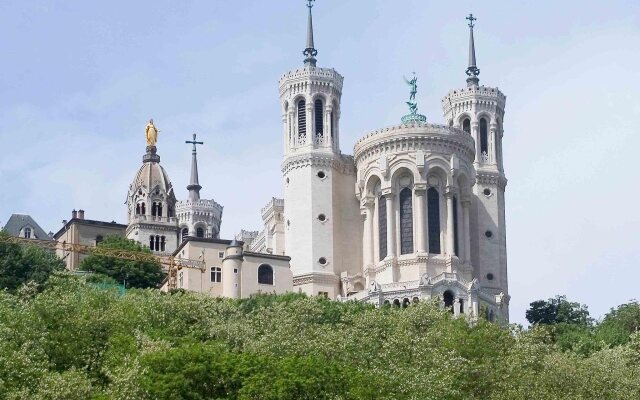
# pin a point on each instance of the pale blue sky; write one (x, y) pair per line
(80, 79)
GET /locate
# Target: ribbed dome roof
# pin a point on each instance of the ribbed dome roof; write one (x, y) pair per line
(151, 178)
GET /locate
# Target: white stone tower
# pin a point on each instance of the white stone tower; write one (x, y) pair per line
(151, 206)
(198, 217)
(322, 218)
(480, 111)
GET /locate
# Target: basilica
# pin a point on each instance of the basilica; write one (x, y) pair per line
(417, 211)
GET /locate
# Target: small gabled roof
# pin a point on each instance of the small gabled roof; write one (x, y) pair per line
(17, 222)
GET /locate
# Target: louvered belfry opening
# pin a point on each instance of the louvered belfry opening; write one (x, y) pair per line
(302, 119)
(318, 118)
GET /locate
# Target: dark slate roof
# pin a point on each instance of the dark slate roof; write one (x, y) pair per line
(19, 221)
(93, 222)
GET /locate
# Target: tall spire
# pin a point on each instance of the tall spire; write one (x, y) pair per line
(472, 69)
(310, 52)
(194, 186)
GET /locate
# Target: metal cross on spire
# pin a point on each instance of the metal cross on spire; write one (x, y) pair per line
(472, 70)
(471, 19)
(194, 183)
(194, 142)
(310, 52)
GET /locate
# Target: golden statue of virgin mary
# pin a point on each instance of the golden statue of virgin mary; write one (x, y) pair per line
(151, 133)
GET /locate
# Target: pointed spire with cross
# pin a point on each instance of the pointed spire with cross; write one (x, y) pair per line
(472, 70)
(310, 52)
(194, 185)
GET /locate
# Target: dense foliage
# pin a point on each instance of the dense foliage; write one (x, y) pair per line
(558, 310)
(75, 341)
(135, 274)
(22, 264)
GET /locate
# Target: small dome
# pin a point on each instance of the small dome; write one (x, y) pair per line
(151, 177)
(151, 185)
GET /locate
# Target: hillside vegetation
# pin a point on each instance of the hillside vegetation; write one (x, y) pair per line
(70, 339)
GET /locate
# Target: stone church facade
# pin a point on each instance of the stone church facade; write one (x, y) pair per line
(418, 210)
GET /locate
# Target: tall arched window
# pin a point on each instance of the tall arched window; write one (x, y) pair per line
(466, 125)
(200, 232)
(484, 144)
(265, 274)
(433, 213)
(456, 248)
(152, 242)
(382, 227)
(143, 208)
(406, 221)
(302, 119)
(163, 243)
(319, 118)
(157, 243)
(137, 209)
(331, 121)
(159, 209)
(184, 234)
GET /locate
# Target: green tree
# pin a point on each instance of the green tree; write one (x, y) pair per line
(619, 324)
(558, 310)
(136, 274)
(20, 264)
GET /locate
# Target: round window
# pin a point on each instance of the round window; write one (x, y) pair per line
(321, 174)
(322, 217)
(488, 234)
(487, 192)
(490, 276)
(322, 261)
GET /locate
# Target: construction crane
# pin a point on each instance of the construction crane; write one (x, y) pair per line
(171, 263)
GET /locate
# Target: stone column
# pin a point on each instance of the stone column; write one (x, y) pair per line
(450, 237)
(310, 134)
(391, 226)
(456, 307)
(367, 239)
(493, 143)
(475, 133)
(419, 193)
(466, 230)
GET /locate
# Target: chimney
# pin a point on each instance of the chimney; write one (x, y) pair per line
(74, 214)
(81, 214)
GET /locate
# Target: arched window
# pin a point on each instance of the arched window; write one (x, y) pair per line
(448, 300)
(382, 227)
(143, 208)
(406, 221)
(163, 243)
(484, 144)
(184, 233)
(319, 118)
(466, 125)
(159, 209)
(200, 232)
(265, 274)
(216, 274)
(137, 209)
(302, 119)
(27, 233)
(157, 243)
(433, 213)
(331, 121)
(154, 209)
(152, 242)
(456, 248)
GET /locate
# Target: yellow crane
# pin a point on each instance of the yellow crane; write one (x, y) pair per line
(173, 264)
